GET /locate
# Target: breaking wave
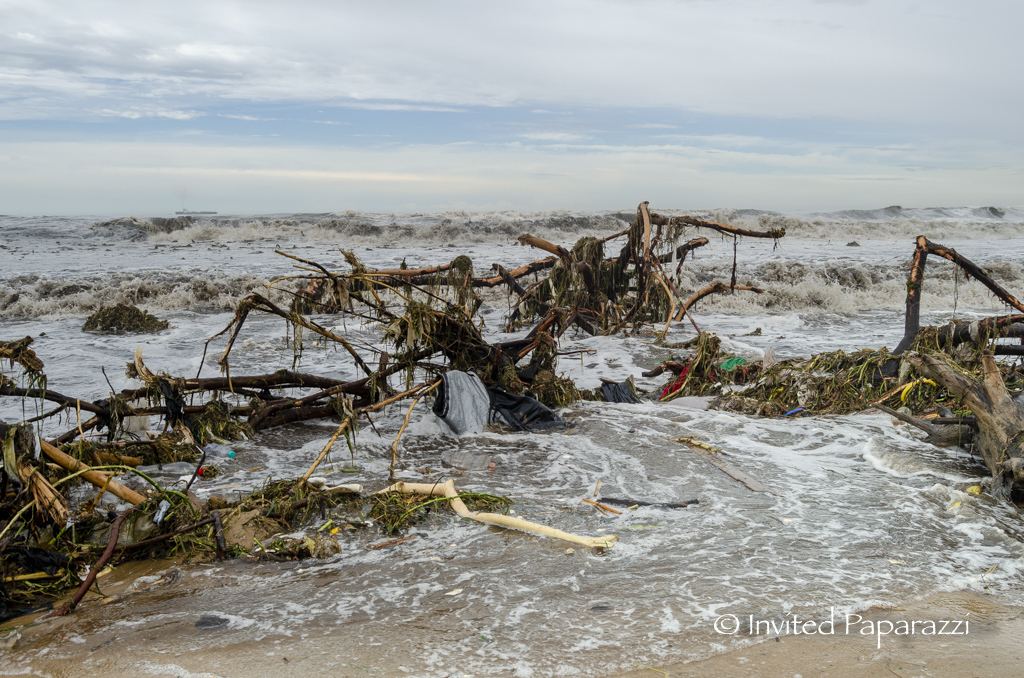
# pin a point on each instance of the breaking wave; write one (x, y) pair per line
(789, 286)
(60, 266)
(361, 228)
(33, 296)
(890, 223)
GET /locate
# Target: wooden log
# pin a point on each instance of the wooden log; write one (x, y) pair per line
(407, 272)
(268, 416)
(95, 570)
(281, 378)
(752, 483)
(447, 489)
(509, 280)
(683, 250)
(671, 365)
(8, 388)
(541, 244)
(915, 281)
(941, 436)
(774, 233)
(631, 503)
(109, 458)
(293, 415)
(97, 478)
(73, 433)
(962, 333)
(1000, 420)
(715, 288)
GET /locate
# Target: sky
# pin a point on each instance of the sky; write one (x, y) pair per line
(312, 106)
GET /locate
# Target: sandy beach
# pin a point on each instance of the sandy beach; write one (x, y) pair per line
(991, 648)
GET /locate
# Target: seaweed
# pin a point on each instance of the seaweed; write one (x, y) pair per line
(124, 319)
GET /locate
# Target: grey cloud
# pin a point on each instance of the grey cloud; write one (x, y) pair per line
(897, 60)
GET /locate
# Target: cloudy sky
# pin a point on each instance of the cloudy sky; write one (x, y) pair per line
(255, 107)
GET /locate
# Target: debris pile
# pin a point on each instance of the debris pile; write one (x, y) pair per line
(124, 319)
(52, 523)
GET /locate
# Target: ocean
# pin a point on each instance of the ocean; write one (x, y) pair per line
(862, 513)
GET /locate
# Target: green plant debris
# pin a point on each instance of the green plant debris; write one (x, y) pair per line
(394, 511)
(124, 319)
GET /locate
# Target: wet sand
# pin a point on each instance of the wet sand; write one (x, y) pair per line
(68, 647)
(990, 648)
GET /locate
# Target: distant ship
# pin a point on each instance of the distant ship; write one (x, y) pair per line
(191, 212)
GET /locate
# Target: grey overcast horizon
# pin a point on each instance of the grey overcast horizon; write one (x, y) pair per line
(114, 108)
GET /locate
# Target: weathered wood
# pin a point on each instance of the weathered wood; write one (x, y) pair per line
(8, 388)
(1000, 420)
(721, 228)
(752, 483)
(542, 244)
(516, 273)
(939, 435)
(507, 278)
(714, 288)
(97, 478)
(95, 570)
(924, 247)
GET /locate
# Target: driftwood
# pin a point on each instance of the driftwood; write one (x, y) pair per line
(8, 388)
(715, 288)
(447, 490)
(629, 503)
(95, 570)
(429, 325)
(97, 478)
(1000, 419)
(726, 229)
(915, 281)
(938, 434)
(47, 498)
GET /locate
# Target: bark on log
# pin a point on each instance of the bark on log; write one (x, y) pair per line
(95, 570)
(97, 478)
(716, 288)
(962, 333)
(1000, 420)
(721, 228)
(7, 388)
(938, 435)
(924, 247)
(541, 244)
(516, 273)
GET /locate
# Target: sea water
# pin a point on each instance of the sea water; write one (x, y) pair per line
(862, 512)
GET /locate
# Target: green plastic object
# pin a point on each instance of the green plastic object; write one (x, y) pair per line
(732, 363)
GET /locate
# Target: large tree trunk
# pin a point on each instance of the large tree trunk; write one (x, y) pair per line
(1000, 420)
